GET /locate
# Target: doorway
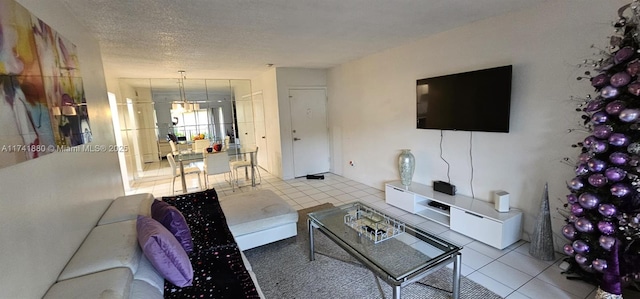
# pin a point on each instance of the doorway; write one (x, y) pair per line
(309, 131)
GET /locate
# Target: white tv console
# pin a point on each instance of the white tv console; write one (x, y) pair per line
(471, 217)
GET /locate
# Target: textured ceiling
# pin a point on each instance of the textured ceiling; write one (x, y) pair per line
(237, 38)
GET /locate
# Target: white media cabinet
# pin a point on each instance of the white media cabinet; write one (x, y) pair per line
(471, 217)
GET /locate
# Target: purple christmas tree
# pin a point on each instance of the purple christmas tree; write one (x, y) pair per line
(603, 227)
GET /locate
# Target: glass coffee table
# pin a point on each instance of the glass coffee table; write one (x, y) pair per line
(398, 253)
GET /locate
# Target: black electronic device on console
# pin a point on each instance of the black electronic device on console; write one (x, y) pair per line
(444, 187)
(438, 205)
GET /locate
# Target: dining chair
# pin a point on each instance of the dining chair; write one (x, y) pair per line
(245, 164)
(176, 172)
(199, 145)
(174, 149)
(225, 146)
(217, 163)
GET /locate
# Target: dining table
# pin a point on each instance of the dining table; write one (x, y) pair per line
(236, 153)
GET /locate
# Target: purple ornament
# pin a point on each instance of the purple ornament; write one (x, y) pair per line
(580, 246)
(618, 158)
(633, 67)
(589, 200)
(615, 107)
(600, 80)
(584, 157)
(606, 227)
(615, 174)
(584, 225)
(568, 249)
(634, 88)
(602, 131)
(596, 165)
(599, 265)
(629, 115)
(580, 259)
(599, 146)
(620, 190)
(588, 141)
(569, 232)
(573, 218)
(623, 54)
(599, 117)
(597, 180)
(620, 79)
(575, 184)
(572, 198)
(594, 105)
(606, 242)
(607, 210)
(609, 92)
(577, 209)
(618, 139)
(582, 169)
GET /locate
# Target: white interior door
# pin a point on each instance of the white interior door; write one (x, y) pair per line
(309, 131)
(261, 131)
(244, 114)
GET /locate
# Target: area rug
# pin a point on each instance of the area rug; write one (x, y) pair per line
(284, 271)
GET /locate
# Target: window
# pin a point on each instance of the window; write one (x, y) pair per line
(192, 123)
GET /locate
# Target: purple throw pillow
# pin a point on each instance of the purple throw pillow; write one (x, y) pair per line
(164, 252)
(173, 220)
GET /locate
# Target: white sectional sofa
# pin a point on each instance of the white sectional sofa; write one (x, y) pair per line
(110, 259)
(111, 264)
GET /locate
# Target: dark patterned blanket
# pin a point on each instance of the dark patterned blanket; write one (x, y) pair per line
(219, 271)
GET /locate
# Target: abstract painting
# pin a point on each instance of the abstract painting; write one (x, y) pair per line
(42, 101)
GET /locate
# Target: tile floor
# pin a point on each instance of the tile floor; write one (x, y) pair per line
(511, 273)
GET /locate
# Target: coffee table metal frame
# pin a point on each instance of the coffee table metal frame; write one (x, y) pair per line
(452, 255)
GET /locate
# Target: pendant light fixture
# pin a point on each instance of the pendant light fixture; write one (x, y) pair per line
(185, 105)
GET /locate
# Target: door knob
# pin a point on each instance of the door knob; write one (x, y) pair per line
(296, 139)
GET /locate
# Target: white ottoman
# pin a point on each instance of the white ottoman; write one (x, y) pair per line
(259, 217)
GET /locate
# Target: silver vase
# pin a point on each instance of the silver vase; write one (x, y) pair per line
(406, 166)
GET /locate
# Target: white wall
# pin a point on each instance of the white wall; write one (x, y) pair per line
(48, 205)
(266, 83)
(372, 105)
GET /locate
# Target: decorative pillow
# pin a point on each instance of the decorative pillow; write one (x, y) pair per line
(173, 220)
(164, 252)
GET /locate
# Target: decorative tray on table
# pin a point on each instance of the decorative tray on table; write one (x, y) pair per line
(373, 224)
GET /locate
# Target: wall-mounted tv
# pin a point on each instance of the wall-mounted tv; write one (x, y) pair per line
(472, 101)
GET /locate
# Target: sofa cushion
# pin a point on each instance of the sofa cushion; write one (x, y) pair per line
(164, 252)
(148, 273)
(250, 212)
(143, 290)
(107, 246)
(172, 219)
(113, 284)
(127, 208)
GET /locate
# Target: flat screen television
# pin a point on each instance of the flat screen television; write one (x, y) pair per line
(472, 101)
